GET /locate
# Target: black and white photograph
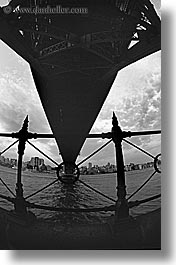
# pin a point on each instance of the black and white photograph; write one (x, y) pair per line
(80, 125)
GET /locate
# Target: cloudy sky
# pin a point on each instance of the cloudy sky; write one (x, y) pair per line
(135, 97)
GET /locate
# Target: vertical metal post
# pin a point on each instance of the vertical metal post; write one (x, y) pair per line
(122, 209)
(23, 136)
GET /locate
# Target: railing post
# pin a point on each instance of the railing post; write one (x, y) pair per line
(23, 136)
(122, 209)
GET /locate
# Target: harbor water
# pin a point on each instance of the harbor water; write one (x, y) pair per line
(79, 196)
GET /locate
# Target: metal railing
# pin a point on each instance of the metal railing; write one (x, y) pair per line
(116, 135)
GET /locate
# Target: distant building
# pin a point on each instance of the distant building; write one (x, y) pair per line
(7, 161)
(140, 166)
(32, 162)
(2, 159)
(36, 162)
(89, 166)
(13, 162)
(83, 170)
(42, 167)
(109, 168)
(48, 168)
(102, 170)
(41, 161)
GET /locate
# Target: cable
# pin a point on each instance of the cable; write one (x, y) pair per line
(145, 152)
(95, 152)
(29, 196)
(141, 186)
(8, 147)
(12, 200)
(7, 187)
(102, 194)
(43, 153)
(136, 203)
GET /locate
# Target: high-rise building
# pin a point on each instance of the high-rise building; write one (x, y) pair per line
(41, 161)
(89, 165)
(32, 161)
(35, 162)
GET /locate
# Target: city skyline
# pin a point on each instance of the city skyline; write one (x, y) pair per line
(41, 161)
(37, 164)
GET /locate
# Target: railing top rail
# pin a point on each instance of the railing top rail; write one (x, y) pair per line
(91, 135)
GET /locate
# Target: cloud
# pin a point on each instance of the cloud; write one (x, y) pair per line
(137, 111)
(18, 99)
